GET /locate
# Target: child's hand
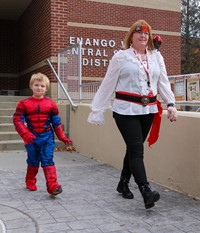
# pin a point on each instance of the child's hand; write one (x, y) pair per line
(28, 138)
(61, 136)
(67, 141)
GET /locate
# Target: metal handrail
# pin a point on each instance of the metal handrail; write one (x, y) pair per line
(62, 86)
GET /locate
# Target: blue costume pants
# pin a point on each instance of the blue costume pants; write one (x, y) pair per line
(41, 150)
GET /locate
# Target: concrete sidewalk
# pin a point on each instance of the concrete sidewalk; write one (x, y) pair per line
(89, 202)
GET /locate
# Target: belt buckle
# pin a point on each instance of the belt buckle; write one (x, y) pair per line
(145, 100)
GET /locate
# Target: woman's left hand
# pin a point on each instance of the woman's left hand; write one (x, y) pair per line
(172, 114)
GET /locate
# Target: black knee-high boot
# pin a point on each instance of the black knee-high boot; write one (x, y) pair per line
(123, 188)
(149, 196)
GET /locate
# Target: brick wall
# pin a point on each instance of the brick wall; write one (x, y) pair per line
(35, 34)
(43, 30)
(113, 15)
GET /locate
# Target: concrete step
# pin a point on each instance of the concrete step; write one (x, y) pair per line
(4, 136)
(19, 145)
(12, 145)
(7, 127)
(7, 112)
(4, 98)
(6, 119)
(8, 105)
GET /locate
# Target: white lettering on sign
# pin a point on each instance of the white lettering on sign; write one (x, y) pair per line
(94, 62)
(92, 42)
(99, 49)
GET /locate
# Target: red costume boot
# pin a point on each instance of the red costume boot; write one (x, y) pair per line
(53, 187)
(31, 178)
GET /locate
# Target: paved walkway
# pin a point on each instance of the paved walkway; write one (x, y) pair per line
(89, 202)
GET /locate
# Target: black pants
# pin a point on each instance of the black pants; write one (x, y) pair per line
(134, 130)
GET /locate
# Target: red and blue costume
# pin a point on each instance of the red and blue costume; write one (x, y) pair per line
(36, 120)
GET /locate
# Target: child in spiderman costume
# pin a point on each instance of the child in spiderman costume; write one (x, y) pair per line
(40, 114)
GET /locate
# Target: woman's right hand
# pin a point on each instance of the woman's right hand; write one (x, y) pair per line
(172, 113)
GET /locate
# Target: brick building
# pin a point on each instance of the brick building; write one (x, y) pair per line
(41, 28)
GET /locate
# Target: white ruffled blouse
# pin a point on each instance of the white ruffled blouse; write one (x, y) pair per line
(126, 73)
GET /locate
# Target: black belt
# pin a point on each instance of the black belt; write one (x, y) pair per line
(144, 100)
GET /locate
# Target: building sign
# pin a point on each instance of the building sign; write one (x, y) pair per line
(94, 51)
